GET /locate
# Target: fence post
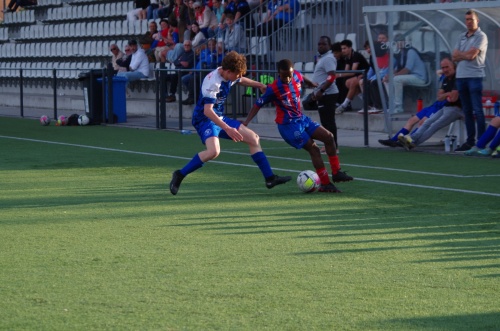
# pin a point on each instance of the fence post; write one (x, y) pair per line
(54, 85)
(21, 90)
(163, 106)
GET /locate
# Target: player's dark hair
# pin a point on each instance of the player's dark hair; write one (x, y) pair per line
(284, 65)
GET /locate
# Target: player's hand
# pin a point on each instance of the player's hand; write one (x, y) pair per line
(234, 134)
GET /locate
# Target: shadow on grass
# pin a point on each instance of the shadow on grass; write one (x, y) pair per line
(469, 322)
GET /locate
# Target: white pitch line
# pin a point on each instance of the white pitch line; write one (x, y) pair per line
(377, 168)
(253, 166)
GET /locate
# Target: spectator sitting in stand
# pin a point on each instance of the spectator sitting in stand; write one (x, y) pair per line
(179, 14)
(117, 54)
(354, 61)
(210, 58)
(139, 64)
(491, 134)
(419, 118)
(171, 41)
(239, 9)
(410, 70)
(340, 82)
(124, 62)
(374, 99)
(448, 114)
(161, 39)
(197, 37)
(235, 38)
(205, 18)
(164, 10)
(147, 40)
(15, 4)
(154, 4)
(184, 61)
(279, 13)
(139, 13)
(218, 9)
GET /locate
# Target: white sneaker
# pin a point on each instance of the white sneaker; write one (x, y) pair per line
(340, 109)
(374, 111)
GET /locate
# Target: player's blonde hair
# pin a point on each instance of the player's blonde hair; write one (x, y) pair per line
(235, 63)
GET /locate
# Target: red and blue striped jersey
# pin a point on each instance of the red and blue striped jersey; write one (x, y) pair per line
(286, 98)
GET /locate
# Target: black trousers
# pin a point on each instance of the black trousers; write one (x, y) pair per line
(326, 110)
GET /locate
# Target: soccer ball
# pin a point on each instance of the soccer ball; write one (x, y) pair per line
(83, 120)
(44, 120)
(308, 181)
(62, 120)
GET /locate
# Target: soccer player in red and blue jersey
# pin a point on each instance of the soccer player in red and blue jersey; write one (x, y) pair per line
(297, 129)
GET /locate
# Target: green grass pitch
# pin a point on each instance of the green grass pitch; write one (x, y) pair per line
(91, 238)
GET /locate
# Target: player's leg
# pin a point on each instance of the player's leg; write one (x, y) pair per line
(325, 136)
(212, 150)
(252, 139)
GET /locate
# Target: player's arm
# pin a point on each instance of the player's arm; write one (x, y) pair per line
(208, 110)
(268, 96)
(252, 83)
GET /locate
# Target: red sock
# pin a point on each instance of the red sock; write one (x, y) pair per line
(323, 176)
(334, 163)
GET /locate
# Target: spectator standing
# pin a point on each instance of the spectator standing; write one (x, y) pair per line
(184, 61)
(117, 54)
(409, 70)
(354, 61)
(326, 91)
(139, 13)
(235, 38)
(139, 64)
(470, 55)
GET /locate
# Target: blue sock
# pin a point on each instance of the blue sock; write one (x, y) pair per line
(486, 137)
(403, 131)
(495, 142)
(193, 165)
(261, 160)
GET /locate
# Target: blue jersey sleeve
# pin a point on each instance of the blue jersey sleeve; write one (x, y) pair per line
(267, 97)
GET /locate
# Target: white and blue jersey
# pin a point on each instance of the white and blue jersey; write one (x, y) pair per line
(214, 91)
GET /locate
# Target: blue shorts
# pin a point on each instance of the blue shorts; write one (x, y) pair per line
(207, 128)
(298, 132)
(429, 111)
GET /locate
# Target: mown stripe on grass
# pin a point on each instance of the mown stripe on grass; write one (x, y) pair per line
(280, 169)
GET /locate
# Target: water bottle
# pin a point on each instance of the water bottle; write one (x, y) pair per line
(453, 143)
(447, 144)
(185, 131)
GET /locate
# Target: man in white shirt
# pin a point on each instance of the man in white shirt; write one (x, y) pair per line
(139, 65)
